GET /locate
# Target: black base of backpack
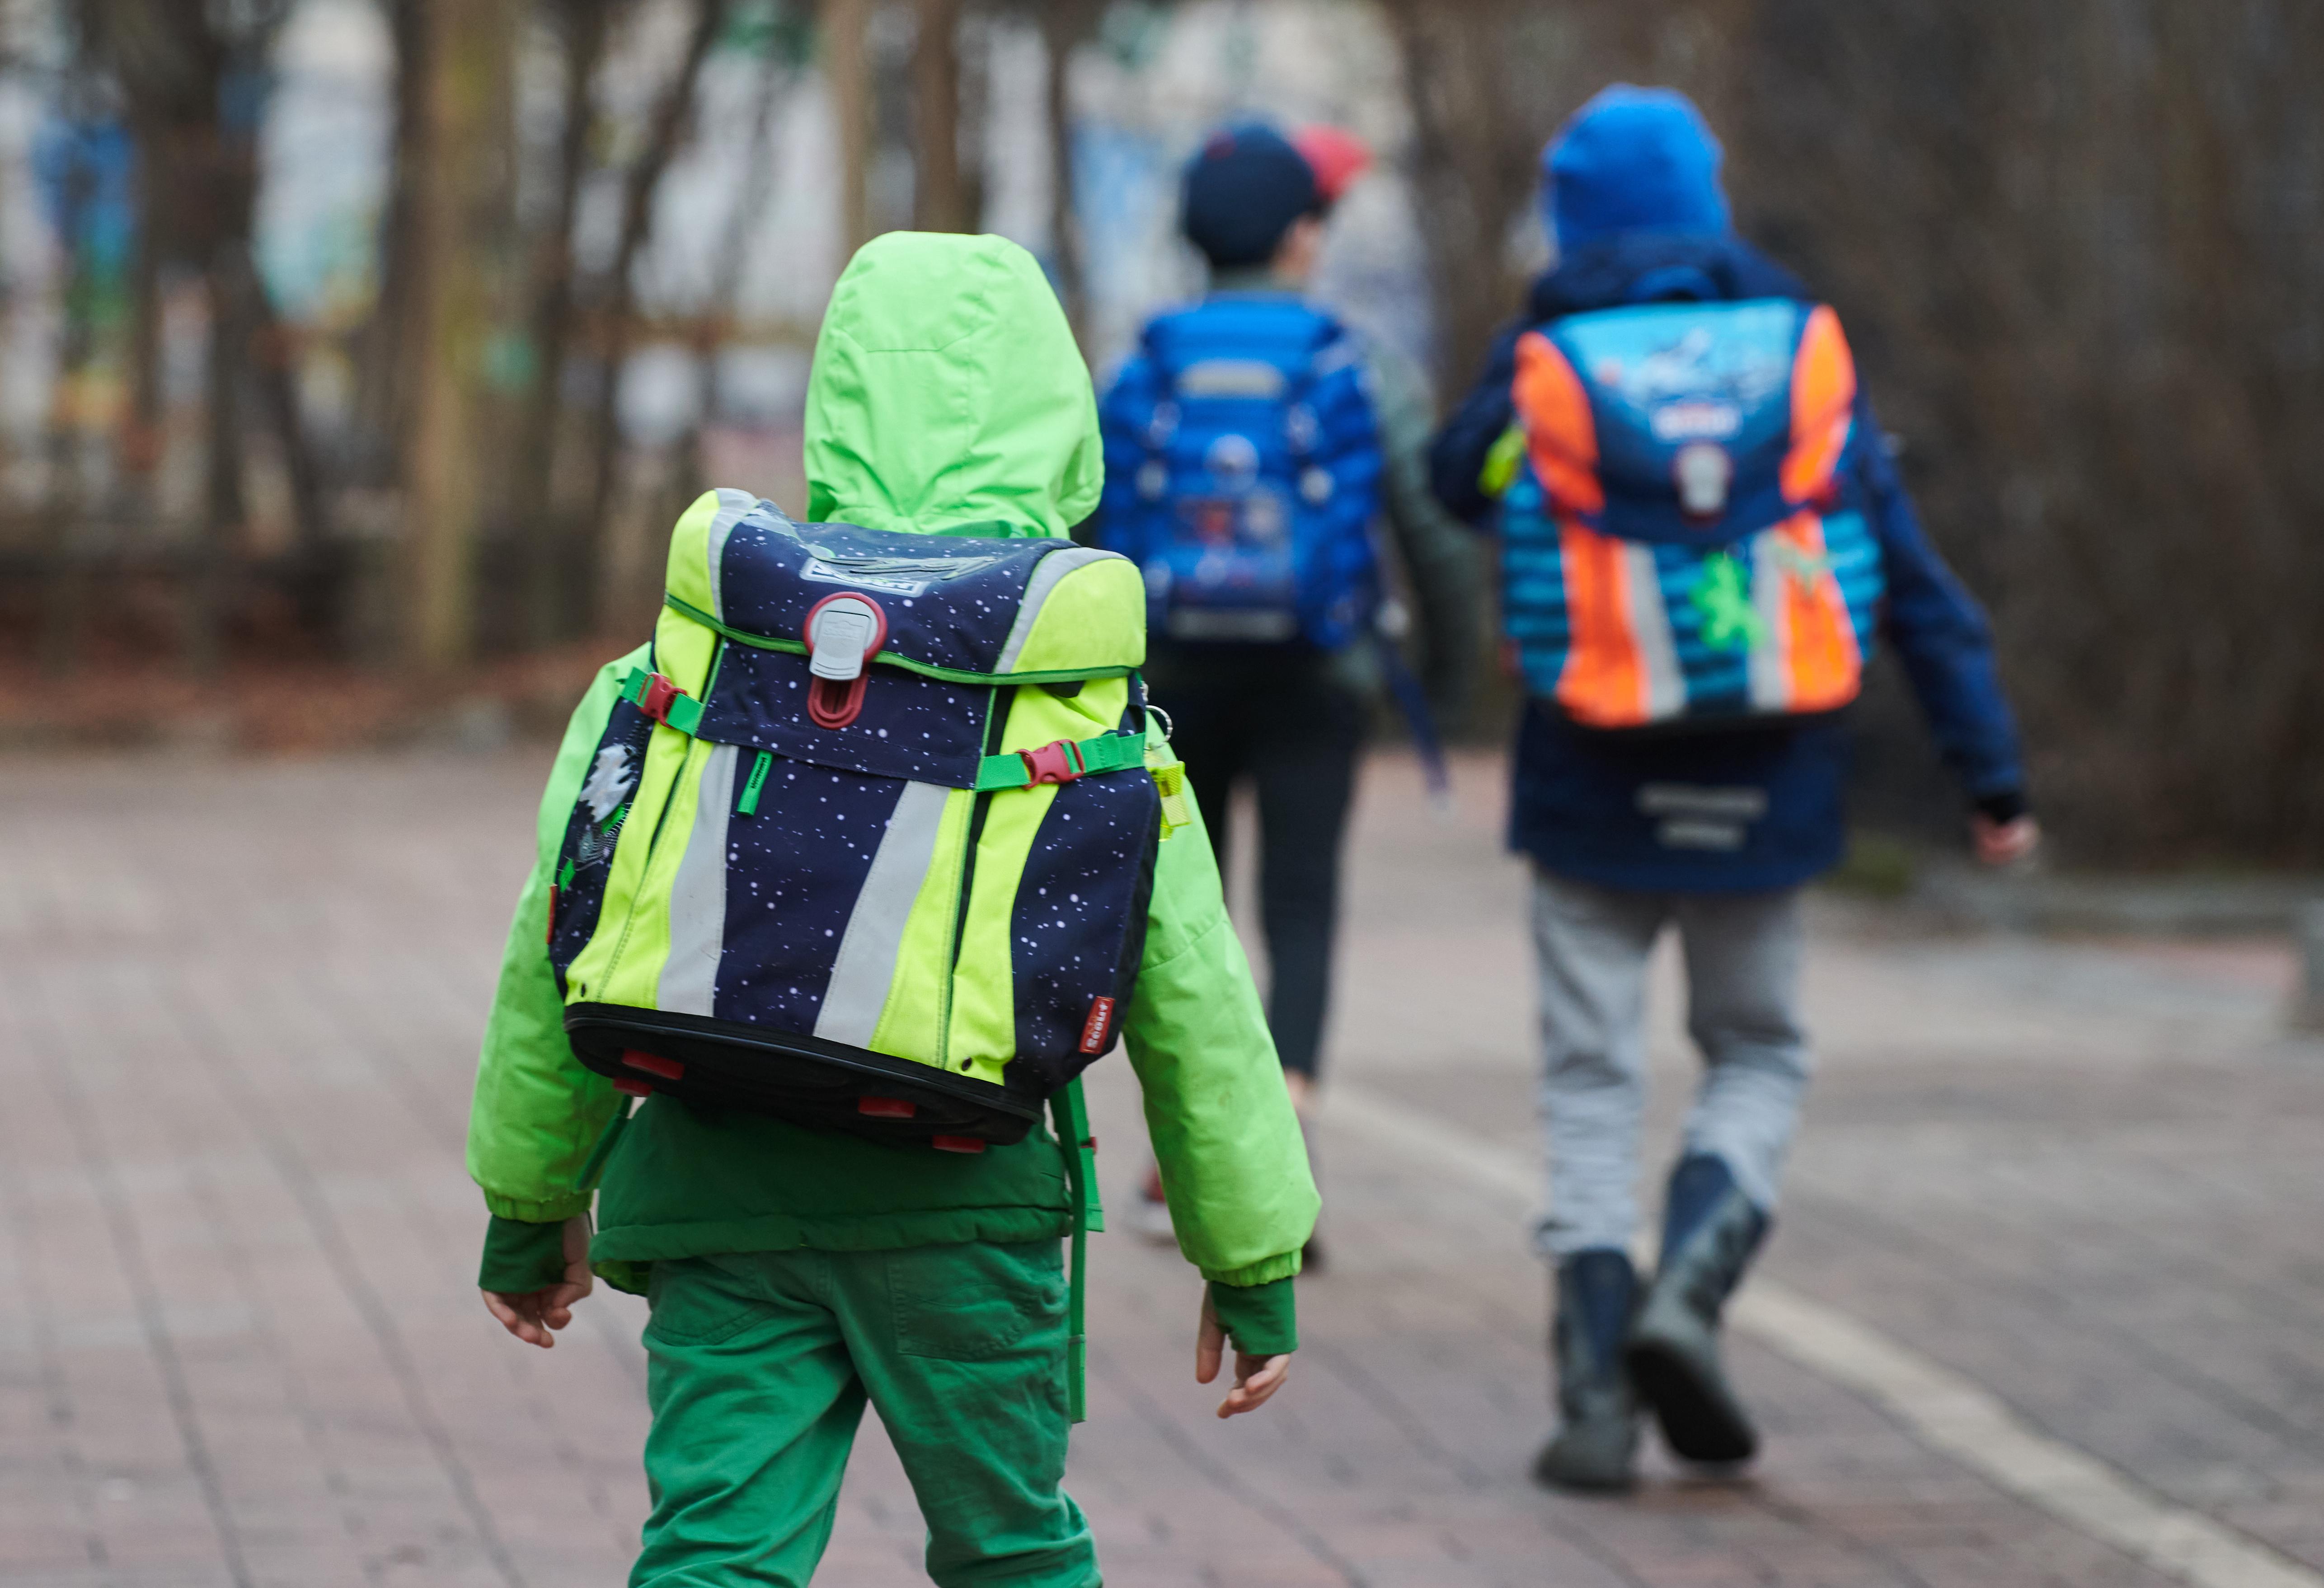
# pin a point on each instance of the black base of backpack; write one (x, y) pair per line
(722, 1064)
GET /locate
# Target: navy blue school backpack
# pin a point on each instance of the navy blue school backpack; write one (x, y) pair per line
(1243, 475)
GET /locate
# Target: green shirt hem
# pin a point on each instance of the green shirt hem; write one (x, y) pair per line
(783, 1231)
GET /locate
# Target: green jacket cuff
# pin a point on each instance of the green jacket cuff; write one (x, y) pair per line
(1284, 1265)
(554, 1210)
(520, 1257)
(1262, 1320)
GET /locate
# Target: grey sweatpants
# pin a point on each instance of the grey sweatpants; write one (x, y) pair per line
(1742, 954)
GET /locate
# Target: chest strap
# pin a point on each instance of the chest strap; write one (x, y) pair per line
(1061, 761)
(662, 699)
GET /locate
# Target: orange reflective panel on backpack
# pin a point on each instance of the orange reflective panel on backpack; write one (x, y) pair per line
(1819, 665)
(1561, 432)
(1823, 405)
(1604, 680)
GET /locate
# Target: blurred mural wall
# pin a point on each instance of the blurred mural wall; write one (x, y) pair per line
(380, 338)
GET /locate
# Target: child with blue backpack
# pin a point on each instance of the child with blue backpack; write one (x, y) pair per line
(865, 857)
(1703, 536)
(1255, 445)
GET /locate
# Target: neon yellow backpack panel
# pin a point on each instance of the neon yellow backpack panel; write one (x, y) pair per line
(871, 844)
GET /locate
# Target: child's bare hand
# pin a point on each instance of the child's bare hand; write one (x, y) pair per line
(2006, 843)
(531, 1315)
(1257, 1378)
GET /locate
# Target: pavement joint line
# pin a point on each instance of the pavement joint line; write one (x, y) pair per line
(1946, 1410)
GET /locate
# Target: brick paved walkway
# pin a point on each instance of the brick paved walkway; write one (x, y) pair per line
(239, 1344)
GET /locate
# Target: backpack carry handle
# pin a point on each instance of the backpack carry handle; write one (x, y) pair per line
(843, 633)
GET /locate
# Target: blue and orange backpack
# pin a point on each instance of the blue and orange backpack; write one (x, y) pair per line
(1243, 475)
(1682, 540)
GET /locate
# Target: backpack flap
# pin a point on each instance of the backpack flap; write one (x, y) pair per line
(962, 607)
(1688, 422)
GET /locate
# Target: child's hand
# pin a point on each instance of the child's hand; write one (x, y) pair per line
(2004, 843)
(1257, 1378)
(531, 1315)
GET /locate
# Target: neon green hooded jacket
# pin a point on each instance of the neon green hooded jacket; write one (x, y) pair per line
(947, 391)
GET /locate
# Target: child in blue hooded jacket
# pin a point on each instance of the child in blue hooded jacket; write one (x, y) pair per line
(1714, 829)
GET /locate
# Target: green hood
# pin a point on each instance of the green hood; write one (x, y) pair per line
(947, 390)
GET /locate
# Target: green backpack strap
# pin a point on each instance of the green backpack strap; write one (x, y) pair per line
(607, 1140)
(662, 699)
(1061, 761)
(1071, 1114)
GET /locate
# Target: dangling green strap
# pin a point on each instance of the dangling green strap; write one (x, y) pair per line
(1076, 1131)
(1067, 759)
(749, 804)
(1080, 1149)
(607, 1142)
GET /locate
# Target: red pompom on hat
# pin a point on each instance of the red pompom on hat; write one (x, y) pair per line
(1337, 156)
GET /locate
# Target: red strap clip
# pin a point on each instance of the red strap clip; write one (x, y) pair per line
(1057, 762)
(886, 1107)
(653, 1064)
(957, 1144)
(655, 698)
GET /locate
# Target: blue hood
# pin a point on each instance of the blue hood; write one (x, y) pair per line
(1634, 159)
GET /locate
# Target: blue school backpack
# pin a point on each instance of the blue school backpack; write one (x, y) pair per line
(1243, 475)
(1682, 540)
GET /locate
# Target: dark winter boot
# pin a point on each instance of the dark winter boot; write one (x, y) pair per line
(1596, 1441)
(1709, 1231)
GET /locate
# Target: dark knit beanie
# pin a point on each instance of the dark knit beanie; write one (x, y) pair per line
(1243, 191)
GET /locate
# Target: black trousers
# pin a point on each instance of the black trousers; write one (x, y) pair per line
(1293, 732)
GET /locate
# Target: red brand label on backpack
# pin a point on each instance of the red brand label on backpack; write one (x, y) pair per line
(1097, 1031)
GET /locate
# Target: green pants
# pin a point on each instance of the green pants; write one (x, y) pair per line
(760, 1366)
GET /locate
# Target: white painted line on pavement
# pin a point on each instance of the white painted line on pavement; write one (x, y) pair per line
(1946, 1410)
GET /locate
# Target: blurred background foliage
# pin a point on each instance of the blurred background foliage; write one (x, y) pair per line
(357, 351)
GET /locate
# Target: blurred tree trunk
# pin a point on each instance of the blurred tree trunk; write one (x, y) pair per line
(673, 117)
(939, 196)
(382, 405)
(456, 219)
(64, 610)
(585, 25)
(780, 76)
(847, 76)
(202, 181)
(1474, 166)
(194, 84)
(139, 443)
(1065, 26)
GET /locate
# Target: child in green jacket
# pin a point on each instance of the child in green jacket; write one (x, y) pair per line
(796, 1274)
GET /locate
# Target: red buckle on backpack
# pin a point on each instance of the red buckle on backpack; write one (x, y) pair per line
(1058, 762)
(957, 1144)
(655, 698)
(653, 1064)
(886, 1107)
